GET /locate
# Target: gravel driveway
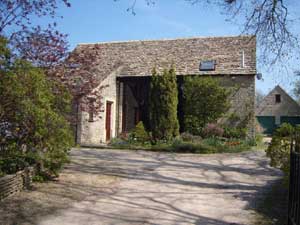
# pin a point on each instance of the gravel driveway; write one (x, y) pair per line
(162, 188)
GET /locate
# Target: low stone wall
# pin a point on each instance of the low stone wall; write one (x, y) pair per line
(11, 184)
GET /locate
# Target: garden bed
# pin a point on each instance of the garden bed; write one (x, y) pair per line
(205, 146)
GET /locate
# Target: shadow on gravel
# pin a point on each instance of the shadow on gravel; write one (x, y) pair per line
(148, 169)
(162, 168)
(79, 181)
(46, 199)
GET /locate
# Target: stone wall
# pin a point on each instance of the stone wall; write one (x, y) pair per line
(242, 108)
(94, 132)
(11, 184)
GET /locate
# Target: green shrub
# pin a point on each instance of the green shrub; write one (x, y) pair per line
(35, 117)
(39, 178)
(139, 134)
(236, 133)
(186, 147)
(205, 101)
(13, 164)
(14, 161)
(237, 148)
(279, 148)
(118, 141)
(212, 141)
(189, 145)
(209, 146)
(187, 137)
(251, 142)
(285, 130)
(163, 105)
(259, 138)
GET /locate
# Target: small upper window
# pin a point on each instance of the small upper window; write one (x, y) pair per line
(277, 98)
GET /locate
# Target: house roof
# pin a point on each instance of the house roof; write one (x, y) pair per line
(287, 107)
(138, 58)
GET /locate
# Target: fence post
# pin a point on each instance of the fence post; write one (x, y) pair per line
(294, 184)
(290, 183)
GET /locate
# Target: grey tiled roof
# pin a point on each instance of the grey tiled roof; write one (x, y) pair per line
(138, 58)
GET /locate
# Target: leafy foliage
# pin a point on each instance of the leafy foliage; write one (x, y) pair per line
(163, 105)
(187, 137)
(34, 128)
(139, 133)
(205, 101)
(188, 144)
(280, 146)
(235, 132)
(209, 146)
(43, 46)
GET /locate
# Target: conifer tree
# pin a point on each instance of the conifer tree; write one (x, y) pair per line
(163, 105)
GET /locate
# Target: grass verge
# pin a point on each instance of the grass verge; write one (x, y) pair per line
(272, 210)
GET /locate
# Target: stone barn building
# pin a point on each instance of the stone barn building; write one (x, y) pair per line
(126, 72)
(276, 108)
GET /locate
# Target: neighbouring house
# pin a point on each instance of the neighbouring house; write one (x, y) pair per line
(126, 69)
(276, 108)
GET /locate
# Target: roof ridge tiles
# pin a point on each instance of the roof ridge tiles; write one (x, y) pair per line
(171, 39)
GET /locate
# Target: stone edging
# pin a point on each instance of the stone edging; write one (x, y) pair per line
(11, 184)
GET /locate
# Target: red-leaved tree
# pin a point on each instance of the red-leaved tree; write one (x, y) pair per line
(80, 74)
(47, 47)
(43, 46)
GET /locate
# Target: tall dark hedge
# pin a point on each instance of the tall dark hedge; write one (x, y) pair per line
(163, 105)
(205, 101)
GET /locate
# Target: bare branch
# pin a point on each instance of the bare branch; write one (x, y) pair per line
(269, 20)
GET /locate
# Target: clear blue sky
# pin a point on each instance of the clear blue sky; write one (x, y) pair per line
(89, 21)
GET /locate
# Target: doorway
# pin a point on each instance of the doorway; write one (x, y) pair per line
(108, 120)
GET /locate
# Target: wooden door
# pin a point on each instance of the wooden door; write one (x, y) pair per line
(108, 121)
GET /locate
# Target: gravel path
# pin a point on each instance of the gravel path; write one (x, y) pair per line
(127, 187)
